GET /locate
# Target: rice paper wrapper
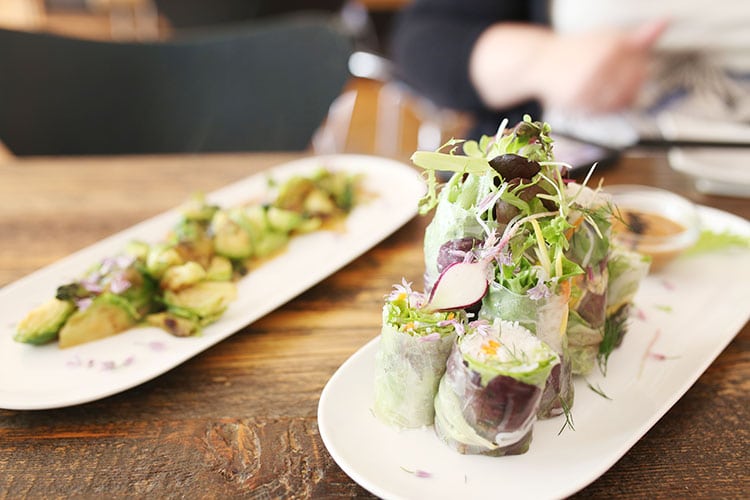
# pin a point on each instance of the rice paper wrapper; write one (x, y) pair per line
(407, 373)
(627, 269)
(546, 318)
(583, 344)
(589, 248)
(494, 420)
(454, 219)
(587, 317)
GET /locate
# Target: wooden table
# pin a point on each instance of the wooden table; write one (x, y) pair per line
(240, 419)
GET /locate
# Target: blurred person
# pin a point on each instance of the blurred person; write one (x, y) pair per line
(500, 59)
(698, 89)
(612, 72)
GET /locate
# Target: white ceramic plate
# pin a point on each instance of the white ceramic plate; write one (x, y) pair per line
(34, 377)
(718, 170)
(688, 313)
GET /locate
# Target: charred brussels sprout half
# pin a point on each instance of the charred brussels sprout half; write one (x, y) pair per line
(43, 323)
(202, 302)
(107, 315)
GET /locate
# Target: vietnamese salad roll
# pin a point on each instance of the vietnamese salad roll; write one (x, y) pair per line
(524, 213)
(414, 345)
(626, 270)
(491, 181)
(489, 397)
(591, 218)
(544, 312)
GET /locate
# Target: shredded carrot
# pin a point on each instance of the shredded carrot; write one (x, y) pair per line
(491, 347)
(564, 288)
(570, 231)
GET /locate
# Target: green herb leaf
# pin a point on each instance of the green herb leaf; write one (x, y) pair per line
(597, 390)
(711, 241)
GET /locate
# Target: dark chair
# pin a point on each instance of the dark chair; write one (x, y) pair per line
(261, 86)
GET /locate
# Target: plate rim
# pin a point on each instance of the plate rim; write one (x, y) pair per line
(382, 167)
(615, 454)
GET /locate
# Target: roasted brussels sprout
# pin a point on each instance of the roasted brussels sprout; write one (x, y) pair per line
(176, 325)
(182, 276)
(219, 269)
(232, 239)
(197, 209)
(107, 315)
(283, 221)
(161, 257)
(138, 250)
(204, 301)
(42, 323)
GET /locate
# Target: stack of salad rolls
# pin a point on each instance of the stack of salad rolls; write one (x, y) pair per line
(556, 301)
(489, 397)
(414, 347)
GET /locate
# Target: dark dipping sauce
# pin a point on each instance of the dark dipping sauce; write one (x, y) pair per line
(650, 234)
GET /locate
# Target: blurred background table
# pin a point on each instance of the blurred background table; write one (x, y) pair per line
(239, 420)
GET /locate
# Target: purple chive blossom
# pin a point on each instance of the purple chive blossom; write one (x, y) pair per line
(84, 303)
(107, 365)
(417, 472)
(124, 261)
(110, 365)
(119, 284)
(655, 355)
(489, 200)
(459, 327)
(504, 259)
(649, 350)
(157, 346)
(433, 337)
(540, 291)
(415, 299)
(398, 289)
(91, 285)
(446, 322)
(108, 263)
(459, 255)
(638, 313)
(113, 365)
(481, 326)
(74, 362)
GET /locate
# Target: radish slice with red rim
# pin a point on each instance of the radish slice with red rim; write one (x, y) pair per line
(460, 285)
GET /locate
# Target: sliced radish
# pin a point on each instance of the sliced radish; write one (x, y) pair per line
(460, 285)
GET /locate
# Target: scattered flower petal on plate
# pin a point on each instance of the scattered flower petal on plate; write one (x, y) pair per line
(667, 284)
(418, 472)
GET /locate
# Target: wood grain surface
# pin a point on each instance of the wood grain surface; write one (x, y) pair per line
(239, 420)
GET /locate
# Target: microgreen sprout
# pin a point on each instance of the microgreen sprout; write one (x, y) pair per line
(597, 390)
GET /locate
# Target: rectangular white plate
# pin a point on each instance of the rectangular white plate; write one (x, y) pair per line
(688, 313)
(717, 170)
(33, 377)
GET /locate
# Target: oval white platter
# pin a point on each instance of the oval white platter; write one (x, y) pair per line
(42, 377)
(685, 316)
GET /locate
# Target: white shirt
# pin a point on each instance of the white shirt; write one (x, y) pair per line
(718, 27)
(701, 73)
